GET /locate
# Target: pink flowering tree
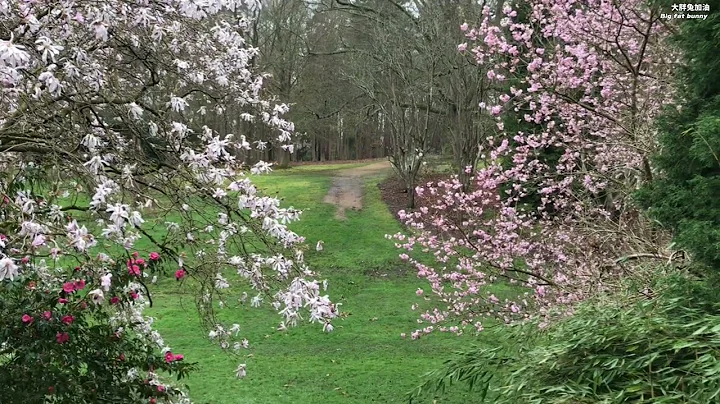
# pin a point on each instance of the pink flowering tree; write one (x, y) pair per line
(584, 81)
(110, 181)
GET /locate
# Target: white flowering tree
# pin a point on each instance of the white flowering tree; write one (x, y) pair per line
(108, 182)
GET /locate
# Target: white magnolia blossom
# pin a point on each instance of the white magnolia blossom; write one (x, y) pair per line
(8, 269)
(96, 296)
(241, 372)
(126, 133)
(106, 281)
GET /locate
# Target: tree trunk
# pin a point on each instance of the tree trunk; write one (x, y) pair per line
(283, 157)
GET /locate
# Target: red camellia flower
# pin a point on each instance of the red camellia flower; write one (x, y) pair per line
(69, 287)
(67, 319)
(80, 285)
(179, 274)
(114, 300)
(154, 256)
(27, 319)
(62, 337)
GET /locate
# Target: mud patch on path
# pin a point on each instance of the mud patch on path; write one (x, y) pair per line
(346, 191)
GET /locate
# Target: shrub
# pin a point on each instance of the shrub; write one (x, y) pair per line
(658, 346)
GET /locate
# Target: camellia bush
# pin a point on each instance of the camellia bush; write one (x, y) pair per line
(111, 180)
(586, 80)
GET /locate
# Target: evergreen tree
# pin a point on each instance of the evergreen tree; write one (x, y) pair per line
(685, 194)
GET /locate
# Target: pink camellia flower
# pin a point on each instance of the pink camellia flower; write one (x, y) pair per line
(179, 274)
(27, 319)
(160, 388)
(63, 300)
(69, 287)
(25, 260)
(47, 315)
(154, 256)
(62, 337)
(134, 270)
(114, 300)
(80, 284)
(179, 357)
(134, 295)
(140, 261)
(67, 319)
(169, 357)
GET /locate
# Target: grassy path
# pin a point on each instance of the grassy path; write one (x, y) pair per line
(364, 360)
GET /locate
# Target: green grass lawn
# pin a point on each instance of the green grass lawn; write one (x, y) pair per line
(364, 360)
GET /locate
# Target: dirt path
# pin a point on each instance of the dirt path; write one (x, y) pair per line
(346, 191)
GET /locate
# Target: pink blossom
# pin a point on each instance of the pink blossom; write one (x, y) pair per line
(69, 287)
(27, 319)
(62, 337)
(179, 274)
(68, 319)
(154, 256)
(462, 47)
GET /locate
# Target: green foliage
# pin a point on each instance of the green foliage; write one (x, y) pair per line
(68, 352)
(685, 196)
(627, 349)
